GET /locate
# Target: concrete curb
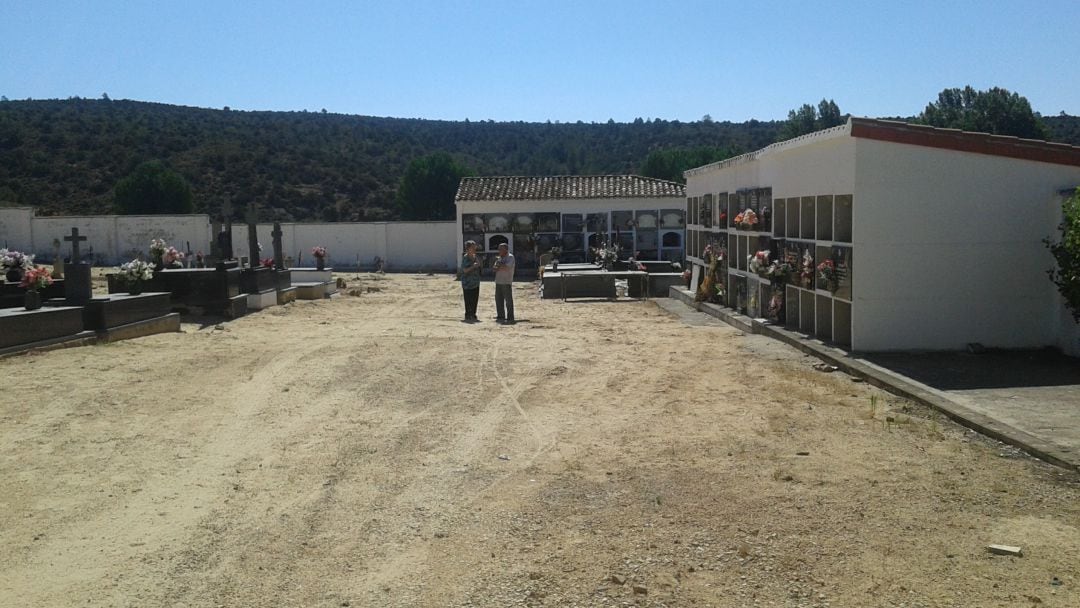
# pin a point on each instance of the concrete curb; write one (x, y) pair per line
(891, 381)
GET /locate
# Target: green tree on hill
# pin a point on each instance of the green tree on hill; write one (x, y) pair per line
(996, 111)
(153, 189)
(808, 119)
(669, 163)
(428, 187)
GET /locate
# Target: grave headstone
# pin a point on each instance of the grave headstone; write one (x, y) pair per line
(227, 244)
(58, 261)
(77, 286)
(253, 236)
(279, 261)
(188, 261)
(215, 247)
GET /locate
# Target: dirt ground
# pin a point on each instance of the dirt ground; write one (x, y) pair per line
(375, 451)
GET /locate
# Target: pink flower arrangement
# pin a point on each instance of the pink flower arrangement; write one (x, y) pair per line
(827, 273)
(318, 251)
(267, 262)
(173, 257)
(746, 219)
(36, 278)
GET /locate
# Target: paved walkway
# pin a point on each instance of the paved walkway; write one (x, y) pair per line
(1029, 399)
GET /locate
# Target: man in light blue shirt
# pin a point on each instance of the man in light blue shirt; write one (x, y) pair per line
(504, 285)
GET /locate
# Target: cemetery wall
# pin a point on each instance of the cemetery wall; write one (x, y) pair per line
(16, 228)
(949, 248)
(406, 246)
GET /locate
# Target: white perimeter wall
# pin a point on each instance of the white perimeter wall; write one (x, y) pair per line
(405, 246)
(948, 250)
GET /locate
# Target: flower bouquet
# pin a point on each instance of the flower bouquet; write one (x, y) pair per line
(267, 262)
(320, 256)
(806, 270)
(134, 273)
(157, 252)
(37, 277)
(746, 220)
(827, 274)
(778, 271)
(15, 264)
(173, 258)
(759, 263)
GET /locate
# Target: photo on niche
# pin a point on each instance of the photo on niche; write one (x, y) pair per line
(572, 222)
(622, 220)
(472, 222)
(596, 222)
(646, 219)
(523, 223)
(573, 241)
(497, 222)
(672, 218)
(547, 222)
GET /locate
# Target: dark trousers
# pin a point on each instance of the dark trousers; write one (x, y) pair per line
(472, 296)
(504, 302)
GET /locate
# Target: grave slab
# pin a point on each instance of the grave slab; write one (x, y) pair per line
(20, 327)
(257, 280)
(170, 322)
(284, 296)
(261, 300)
(115, 310)
(12, 296)
(312, 290)
(311, 275)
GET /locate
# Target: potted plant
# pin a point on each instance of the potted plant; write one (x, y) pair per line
(15, 264)
(134, 273)
(37, 277)
(320, 257)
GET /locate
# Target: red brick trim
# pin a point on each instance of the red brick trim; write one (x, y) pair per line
(964, 141)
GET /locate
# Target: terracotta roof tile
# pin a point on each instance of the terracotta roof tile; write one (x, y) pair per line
(554, 187)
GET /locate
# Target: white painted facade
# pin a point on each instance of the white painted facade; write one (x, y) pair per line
(113, 239)
(947, 244)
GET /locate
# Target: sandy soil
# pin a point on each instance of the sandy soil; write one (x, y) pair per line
(375, 451)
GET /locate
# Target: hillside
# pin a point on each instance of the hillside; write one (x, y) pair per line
(65, 156)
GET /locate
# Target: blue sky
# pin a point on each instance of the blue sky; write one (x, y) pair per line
(587, 60)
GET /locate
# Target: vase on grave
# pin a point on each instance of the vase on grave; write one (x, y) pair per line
(14, 275)
(32, 299)
(320, 263)
(134, 287)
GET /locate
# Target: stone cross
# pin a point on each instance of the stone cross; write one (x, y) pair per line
(279, 261)
(227, 244)
(253, 236)
(226, 241)
(74, 240)
(215, 249)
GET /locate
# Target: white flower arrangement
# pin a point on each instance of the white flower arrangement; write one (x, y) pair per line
(136, 270)
(11, 259)
(158, 247)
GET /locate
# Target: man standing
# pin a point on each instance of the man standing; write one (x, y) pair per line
(504, 285)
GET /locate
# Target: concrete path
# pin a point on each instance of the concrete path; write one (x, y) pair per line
(1029, 399)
